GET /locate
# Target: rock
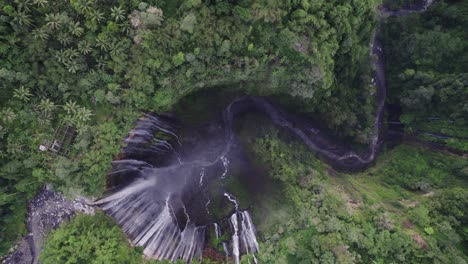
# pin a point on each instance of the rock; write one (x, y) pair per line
(46, 211)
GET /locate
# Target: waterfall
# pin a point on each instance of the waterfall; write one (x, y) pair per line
(216, 229)
(225, 165)
(243, 231)
(202, 175)
(235, 238)
(427, 4)
(160, 207)
(248, 235)
(232, 199)
(153, 225)
(243, 237)
(160, 203)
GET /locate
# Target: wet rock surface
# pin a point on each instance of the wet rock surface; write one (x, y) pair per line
(46, 211)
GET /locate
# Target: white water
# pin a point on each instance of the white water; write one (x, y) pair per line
(232, 199)
(226, 165)
(216, 229)
(152, 225)
(243, 237)
(248, 235)
(147, 211)
(202, 175)
(235, 238)
(427, 4)
(162, 126)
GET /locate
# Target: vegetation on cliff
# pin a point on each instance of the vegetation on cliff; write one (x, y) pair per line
(427, 74)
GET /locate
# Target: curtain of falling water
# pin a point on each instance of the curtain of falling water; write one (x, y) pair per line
(148, 209)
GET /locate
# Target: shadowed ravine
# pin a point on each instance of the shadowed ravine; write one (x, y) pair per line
(159, 188)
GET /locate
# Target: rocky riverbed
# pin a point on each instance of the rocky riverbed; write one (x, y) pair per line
(46, 212)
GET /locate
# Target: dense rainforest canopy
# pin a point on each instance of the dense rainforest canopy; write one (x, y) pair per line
(96, 64)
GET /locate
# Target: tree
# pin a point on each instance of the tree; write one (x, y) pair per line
(83, 6)
(70, 107)
(46, 106)
(84, 47)
(97, 16)
(83, 115)
(41, 3)
(7, 115)
(23, 94)
(53, 21)
(22, 18)
(103, 42)
(188, 23)
(178, 59)
(72, 66)
(40, 33)
(64, 38)
(118, 13)
(75, 29)
(89, 239)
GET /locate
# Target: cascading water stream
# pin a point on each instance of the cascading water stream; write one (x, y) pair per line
(235, 238)
(159, 203)
(157, 209)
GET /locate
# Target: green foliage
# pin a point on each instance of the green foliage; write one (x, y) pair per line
(421, 170)
(287, 164)
(97, 161)
(450, 206)
(89, 239)
(325, 229)
(427, 68)
(420, 216)
(429, 230)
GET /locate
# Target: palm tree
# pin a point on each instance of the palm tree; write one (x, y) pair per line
(61, 56)
(97, 16)
(116, 48)
(41, 3)
(125, 27)
(84, 47)
(40, 33)
(22, 93)
(22, 18)
(102, 42)
(83, 114)
(70, 107)
(75, 29)
(72, 66)
(46, 106)
(71, 53)
(64, 38)
(69, 119)
(23, 4)
(84, 6)
(7, 115)
(118, 13)
(53, 21)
